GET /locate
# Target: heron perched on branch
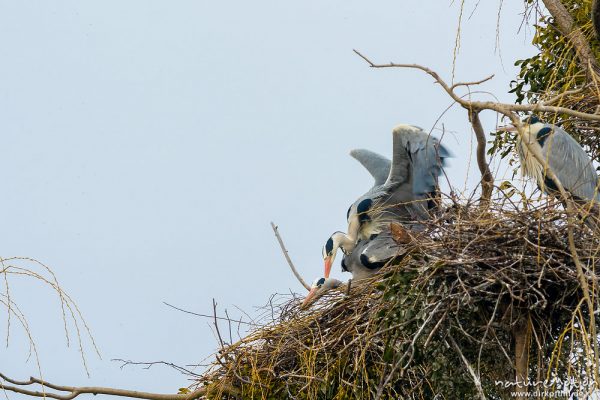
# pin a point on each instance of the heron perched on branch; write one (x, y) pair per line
(562, 154)
(404, 189)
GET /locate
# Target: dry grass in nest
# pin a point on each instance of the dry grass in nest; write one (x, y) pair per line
(439, 322)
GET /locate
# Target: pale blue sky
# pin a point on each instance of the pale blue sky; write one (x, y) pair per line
(147, 145)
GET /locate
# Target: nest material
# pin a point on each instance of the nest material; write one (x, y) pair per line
(415, 330)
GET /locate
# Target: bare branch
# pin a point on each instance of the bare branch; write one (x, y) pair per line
(239, 321)
(487, 180)
(479, 82)
(150, 364)
(70, 392)
(503, 108)
(287, 257)
(217, 324)
(561, 95)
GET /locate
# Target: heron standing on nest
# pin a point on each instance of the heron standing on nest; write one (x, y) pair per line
(368, 257)
(404, 189)
(562, 154)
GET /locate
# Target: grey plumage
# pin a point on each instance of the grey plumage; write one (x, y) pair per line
(563, 155)
(377, 165)
(417, 161)
(371, 254)
(405, 196)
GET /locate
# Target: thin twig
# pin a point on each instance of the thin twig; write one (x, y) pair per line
(239, 321)
(150, 364)
(287, 257)
(503, 108)
(217, 324)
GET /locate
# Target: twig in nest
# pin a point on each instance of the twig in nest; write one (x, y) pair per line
(148, 365)
(217, 324)
(239, 321)
(287, 257)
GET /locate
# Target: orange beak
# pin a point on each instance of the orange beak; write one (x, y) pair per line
(328, 263)
(309, 297)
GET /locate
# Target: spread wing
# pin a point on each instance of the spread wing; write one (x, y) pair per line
(377, 165)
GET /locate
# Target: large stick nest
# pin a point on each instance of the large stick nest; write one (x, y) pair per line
(455, 301)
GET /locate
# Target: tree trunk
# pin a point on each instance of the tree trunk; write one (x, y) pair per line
(521, 336)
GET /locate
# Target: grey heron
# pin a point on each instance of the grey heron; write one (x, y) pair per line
(319, 287)
(404, 193)
(370, 255)
(562, 154)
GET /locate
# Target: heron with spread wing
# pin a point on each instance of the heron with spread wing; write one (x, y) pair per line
(404, 190)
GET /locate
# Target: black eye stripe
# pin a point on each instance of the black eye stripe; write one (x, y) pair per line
(364, 206)
(543, 134)
(329, 246)
(320, 281)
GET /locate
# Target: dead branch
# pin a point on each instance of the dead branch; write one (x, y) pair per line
(150, 364)
(70, 392)
(287, 257)
(503, 108)
(487, 180)
(216, 323)
(237, 321)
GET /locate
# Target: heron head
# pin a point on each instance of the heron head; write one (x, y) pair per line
(338, 240)
(531, 119)
(531, 123)
(319, 287)
(330, 250)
